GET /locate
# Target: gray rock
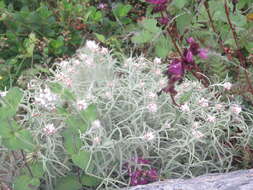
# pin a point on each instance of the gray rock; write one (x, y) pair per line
(238, 180)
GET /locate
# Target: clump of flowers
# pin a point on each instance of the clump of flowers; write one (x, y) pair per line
(132, 118)
(178, 66)
(140, 172)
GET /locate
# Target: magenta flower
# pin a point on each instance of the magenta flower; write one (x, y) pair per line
(159, 8)
(152, 174)
(190, 40)
(203, 53)
(176, 67)
(189, 56)
(157, 2)
(163, 20)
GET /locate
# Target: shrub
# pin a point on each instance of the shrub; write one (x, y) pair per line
(100, 122)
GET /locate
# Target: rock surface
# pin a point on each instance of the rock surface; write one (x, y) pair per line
(238, 180)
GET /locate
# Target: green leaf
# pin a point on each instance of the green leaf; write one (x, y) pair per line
(90, 114)
(184, 22)
(68, 183)
(75, 122)
(100, 37)
(180, 3)
(12, 100)
(24, 182)
(72, 142)
(90, 181)
(142, 37)
(162, 47)
(150, 25)
(36, 169)
(122, 10)
(7, 128)
(20, 140)
(81, 159)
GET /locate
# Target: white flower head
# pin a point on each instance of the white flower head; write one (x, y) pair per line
(49, 129)
(227, 85)
(96, 140)
(157, 60)
(197, 134)
(211, 118)
(236, 109)
(104, 50)
(185, 108)
(152, 95)
(158, 71)
(96, 124)
(203, 102)
(196, 125)
(3, 93)
(162, 83)
(218, 106)
(92, 45)
(149, 136)
(82, 104)
(152, 107)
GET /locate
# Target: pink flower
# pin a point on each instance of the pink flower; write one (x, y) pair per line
(236, 109)
(227, 85)
(203, 53)
(49, 129)
(211, 118)
(152, 107)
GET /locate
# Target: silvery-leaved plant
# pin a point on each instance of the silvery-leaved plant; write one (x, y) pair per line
(98, 115)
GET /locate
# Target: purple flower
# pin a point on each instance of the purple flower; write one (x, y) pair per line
(203, 53)
(189, 56)
(159, 8)
(102, 6)
(190, 40)
(157, 2)
(152, 174)
(163, 20)
(176, 67)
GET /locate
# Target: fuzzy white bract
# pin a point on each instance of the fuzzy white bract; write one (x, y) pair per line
(227, 85)
(49, 129)
(236, 109)
(152, 107)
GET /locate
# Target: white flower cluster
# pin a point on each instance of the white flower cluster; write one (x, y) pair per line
(46, 99)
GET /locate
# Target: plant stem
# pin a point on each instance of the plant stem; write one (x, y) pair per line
(26, 165)
(212, 25)
(239, 53)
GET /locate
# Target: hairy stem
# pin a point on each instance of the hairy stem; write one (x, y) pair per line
(26, 165)
(240, 55)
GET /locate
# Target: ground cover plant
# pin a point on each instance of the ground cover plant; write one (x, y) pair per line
(107, 118)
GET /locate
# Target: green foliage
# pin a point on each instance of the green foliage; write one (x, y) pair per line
(69, 182)
(26, 182)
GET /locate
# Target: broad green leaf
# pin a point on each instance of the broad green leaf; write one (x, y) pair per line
(184, 22)
(122, 10)
(72, 142)
(20, 140)
(180, 3)
(81, 159)
(142, 37)
(7, 128)
(150, 25)
(25, 182)
(100, 37)
(162, 47)
(36, 169)
(90, 181)
(12, 100)
(77, 123)
(68, 183)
